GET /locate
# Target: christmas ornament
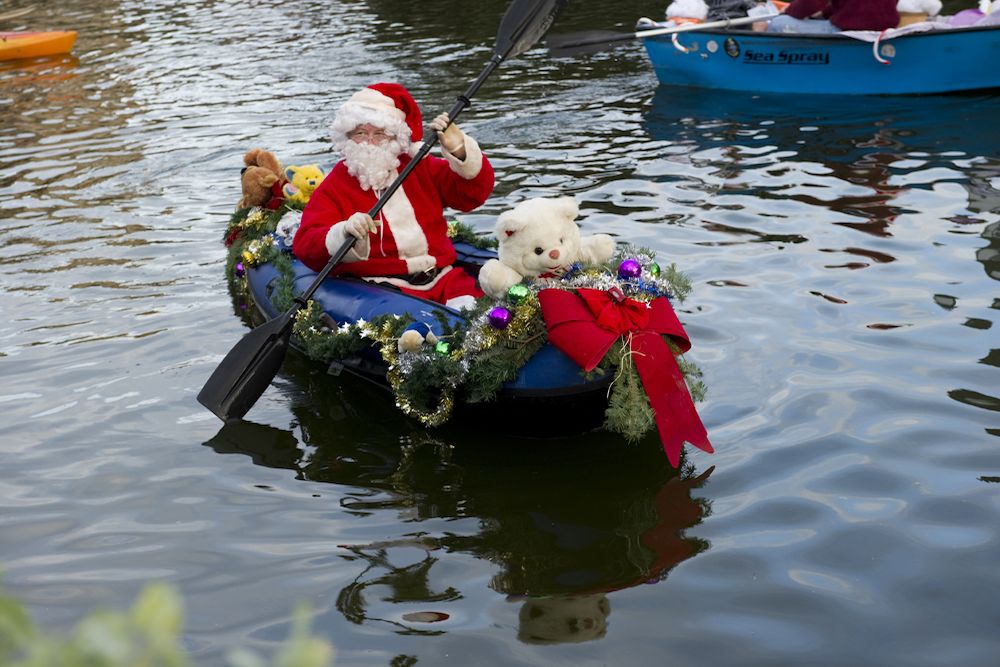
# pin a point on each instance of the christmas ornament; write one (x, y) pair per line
(629, 269)
(240, 270)
(654, 270)
(442, 348)
(517, 293)
(500, 317)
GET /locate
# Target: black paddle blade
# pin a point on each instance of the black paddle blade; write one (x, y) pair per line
(525, 22)
(248, 369)
(580, 43)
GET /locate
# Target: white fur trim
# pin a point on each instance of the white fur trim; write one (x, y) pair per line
(420, 263)
(335, 238)
(399, 282)
(473, 163)
(402, 220)
(369, 97)
(409, 341)
(461, 302)
(370, 106)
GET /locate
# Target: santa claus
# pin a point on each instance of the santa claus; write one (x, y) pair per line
(377, 131)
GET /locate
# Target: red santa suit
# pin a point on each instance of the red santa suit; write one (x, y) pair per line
(411, 248)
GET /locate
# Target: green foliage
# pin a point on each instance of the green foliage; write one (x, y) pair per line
(245, 226)
(148, 635)
(680, 284)
(428, 379)
(16, 628)
(629, 412)
(322, 340)
(692, 375)
(501, 363)
(463, 233)
(474, 360)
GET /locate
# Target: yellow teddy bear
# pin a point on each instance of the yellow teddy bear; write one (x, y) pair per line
(302, 181)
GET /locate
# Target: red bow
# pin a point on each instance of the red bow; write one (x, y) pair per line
(585, 324)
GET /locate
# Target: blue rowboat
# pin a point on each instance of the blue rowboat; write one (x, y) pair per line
(897, 62)
(549, 396)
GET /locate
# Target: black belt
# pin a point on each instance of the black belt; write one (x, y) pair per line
(422, 278)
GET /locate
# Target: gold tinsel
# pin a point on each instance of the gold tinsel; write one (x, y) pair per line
(302, 328)
(525, 314)
(253, 253)
(480, 346)
(386, 339)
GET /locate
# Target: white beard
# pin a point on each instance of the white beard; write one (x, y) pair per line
(373, 166)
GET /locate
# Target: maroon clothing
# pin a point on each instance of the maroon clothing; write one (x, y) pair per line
(849, 14)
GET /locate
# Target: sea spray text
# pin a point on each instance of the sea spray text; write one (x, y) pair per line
(786, 57)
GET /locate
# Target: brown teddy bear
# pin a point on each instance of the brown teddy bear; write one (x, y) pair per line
(261, 180)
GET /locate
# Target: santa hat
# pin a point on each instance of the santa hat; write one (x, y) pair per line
(385, 105)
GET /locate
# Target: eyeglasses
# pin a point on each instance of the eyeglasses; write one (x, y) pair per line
(377, 137)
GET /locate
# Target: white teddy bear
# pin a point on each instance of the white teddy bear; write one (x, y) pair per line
(564, 619)
(539, 237)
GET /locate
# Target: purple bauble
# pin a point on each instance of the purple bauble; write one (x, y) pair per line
(500, 317)
(239, 269)
(629, 269)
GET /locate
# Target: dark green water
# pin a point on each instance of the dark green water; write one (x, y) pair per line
(845, 256)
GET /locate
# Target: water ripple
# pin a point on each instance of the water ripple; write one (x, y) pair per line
(844, 257)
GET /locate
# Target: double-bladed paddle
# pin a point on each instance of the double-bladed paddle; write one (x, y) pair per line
(248, 369)
(592, 41)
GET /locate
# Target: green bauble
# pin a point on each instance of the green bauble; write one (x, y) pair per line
(442, 348)
(654, 269)
(517, 293)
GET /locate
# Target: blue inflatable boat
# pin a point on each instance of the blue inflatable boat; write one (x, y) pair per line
(549, 392)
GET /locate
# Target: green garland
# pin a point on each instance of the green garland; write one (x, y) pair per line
(462, 233)
(470, 363)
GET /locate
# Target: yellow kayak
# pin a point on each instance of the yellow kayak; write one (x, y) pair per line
(14, 45)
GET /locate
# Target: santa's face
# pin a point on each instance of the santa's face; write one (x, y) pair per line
(370, 134)
(371, 155)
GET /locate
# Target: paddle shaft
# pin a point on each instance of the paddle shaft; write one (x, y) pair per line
(461, 103)
(566, 42)
(247, 370)
(711, 25)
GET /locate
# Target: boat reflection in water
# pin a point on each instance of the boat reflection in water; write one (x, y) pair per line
(852, 156)
(564, 523)
(843, 131)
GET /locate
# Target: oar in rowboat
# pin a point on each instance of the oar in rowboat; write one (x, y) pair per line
(593, 41)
